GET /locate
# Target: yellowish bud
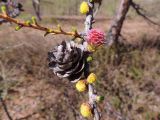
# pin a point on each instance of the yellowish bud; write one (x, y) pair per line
(3, 8)
(34, 20)
(18, 28)
(81, 86)
(89, 58)
(28, 22)
(86, 110)
(84, 8)
(91, 78)
(91, 48)
(74, 29)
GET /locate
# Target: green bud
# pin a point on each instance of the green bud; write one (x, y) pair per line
(89, 59)
(33, 20)
(3, 8)
(18, 28)
(49, 30)
(59, 27)
(74, 29)
(28, 22)
(100, 98)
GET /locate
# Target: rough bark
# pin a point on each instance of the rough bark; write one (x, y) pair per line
(116, 26)
(36, 6)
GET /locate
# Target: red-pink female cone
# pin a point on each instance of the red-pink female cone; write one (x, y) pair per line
(96, 37)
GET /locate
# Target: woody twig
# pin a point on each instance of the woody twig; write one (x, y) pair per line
(34, 25)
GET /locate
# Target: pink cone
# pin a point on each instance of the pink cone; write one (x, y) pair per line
(96, 37)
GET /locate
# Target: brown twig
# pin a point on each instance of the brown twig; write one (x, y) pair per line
(35, 25)
(140, 11)
(91, 89)
(116, 26)
(5, 107)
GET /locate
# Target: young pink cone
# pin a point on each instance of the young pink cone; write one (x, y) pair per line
(96, 37)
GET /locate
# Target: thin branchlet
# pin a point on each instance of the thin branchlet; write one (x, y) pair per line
(91, 90)
(34, 25)
(5, 106)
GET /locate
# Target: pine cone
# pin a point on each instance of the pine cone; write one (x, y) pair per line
(68, 60)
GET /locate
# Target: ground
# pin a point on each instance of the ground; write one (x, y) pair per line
(32, 92)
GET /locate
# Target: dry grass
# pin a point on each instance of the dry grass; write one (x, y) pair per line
(71, 7)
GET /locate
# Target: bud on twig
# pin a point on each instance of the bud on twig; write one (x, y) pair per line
(81, 86)
(91, 78)
(89, 58)
(4, 10)
(18, 27)
(86, 110)
(84, 8)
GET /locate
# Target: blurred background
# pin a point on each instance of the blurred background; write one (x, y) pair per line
(50, 8)
(32, 92)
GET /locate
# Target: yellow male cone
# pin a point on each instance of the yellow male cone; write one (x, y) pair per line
(86, 110)
(91, 78)
(91, 48)
(84, 8)
(81, 86)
